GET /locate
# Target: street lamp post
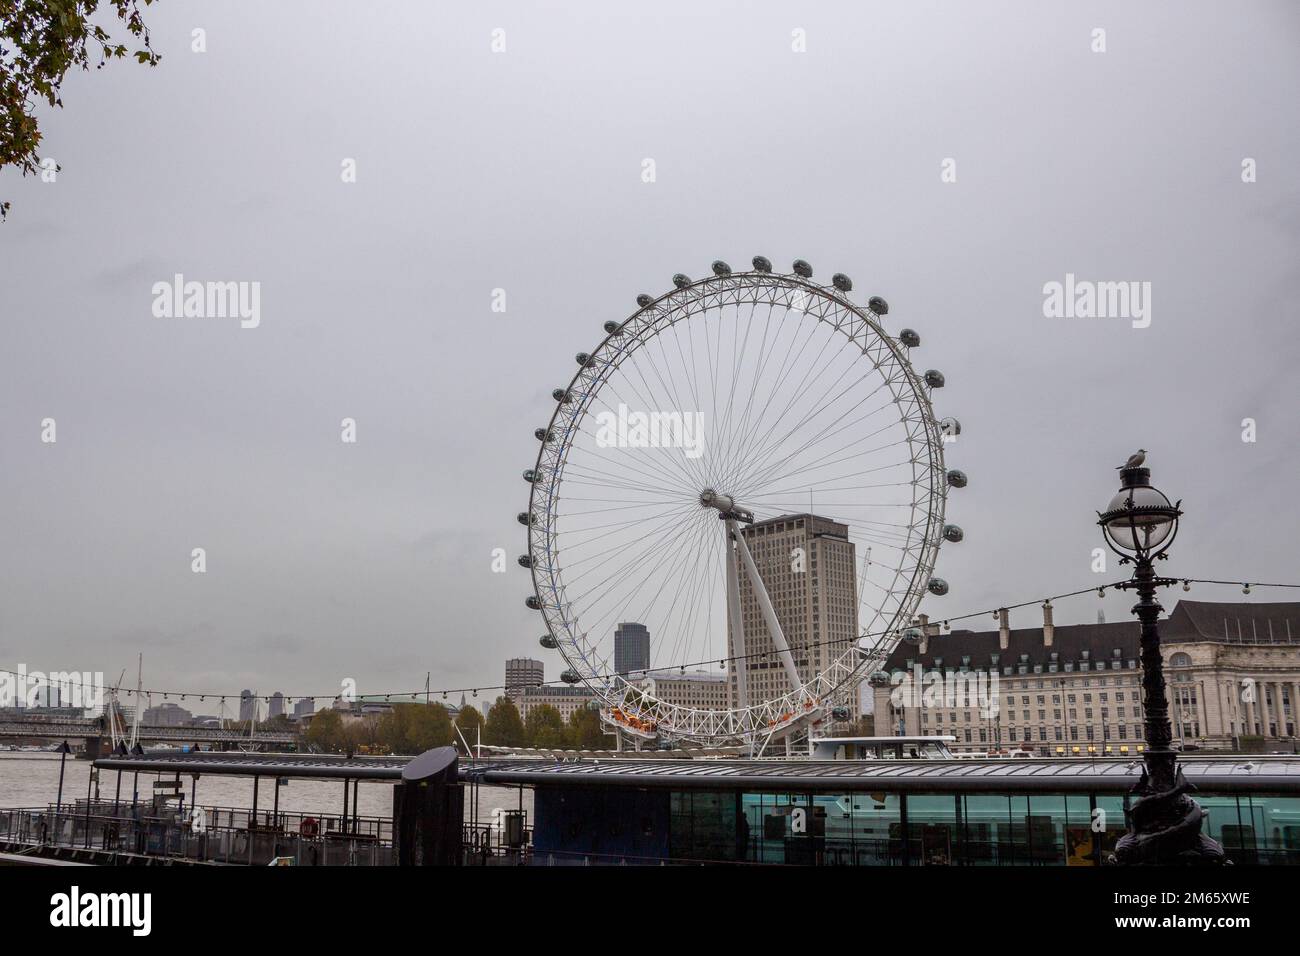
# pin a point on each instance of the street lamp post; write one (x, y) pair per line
(1139, 525)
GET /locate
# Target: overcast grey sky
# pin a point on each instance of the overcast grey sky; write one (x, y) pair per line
(522, 170)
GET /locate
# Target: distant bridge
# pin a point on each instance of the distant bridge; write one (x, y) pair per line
(95, 729)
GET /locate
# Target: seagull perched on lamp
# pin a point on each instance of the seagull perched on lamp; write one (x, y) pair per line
(1134, 461)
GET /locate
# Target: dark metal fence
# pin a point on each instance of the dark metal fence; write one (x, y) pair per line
(203, 835)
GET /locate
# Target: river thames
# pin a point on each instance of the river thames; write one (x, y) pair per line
(32, 780)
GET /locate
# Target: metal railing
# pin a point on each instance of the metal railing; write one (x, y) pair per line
(224, 835)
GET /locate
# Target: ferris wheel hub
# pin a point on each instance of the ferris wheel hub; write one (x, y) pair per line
(711, 499)
(725, 505)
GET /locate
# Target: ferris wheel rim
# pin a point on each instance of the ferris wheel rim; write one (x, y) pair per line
(929, 502)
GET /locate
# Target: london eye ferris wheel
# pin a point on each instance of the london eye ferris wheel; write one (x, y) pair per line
(749, 468)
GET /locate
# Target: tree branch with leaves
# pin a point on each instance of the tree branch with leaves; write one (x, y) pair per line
(40, 41)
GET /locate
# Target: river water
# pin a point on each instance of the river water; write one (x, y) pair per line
(32, 780)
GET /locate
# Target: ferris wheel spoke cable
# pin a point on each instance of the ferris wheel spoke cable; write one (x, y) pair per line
(719, 419)
(748, 429)
(683, 633)
(665, 552)
(691, 469)
(635, 502)
(620, 612)
(821, 483)
(739, 445)
(680, 570)
(795, 394)
(637, 555)
(772, 444)
(820, 487)
(582, 477)
(680, 473)
(681, 359)
(890, 540)
(610, 527)
(631, 506)
(818, 405)
(737, 360)
(766, 472)
(637, 464)
(822, 462)
(634, 553)
(664, 467)
(702, 605)
(737, 437)
(620, 545)
(711, 362)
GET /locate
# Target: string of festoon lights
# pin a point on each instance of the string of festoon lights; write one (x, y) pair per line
(423, 693)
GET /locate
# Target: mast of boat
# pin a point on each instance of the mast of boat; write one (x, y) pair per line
(113, 712)
(135, 723)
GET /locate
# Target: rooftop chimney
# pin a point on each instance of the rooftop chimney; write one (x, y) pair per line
(1049, 630)
(923, 622)
(1004, 628)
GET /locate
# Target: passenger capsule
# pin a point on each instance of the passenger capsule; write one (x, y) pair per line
(681, 281)
(585, 360)
(953, 533)
(878, 305)
(839, 713)
(720, 268)
(938, 586)
(957, 479)
(548, 642)
(950, 427)
(544, 434)
(533, 602)
(879, 679)
(802, 269)
(842, 282)
(934, 378)
(909, 338)
(526, 518)
(533, 475)
(570, 676)
(912, 635)
(612, 328)
(592, 705)
(562, 396)
(525, 561)
(643, 300)
(762, 264)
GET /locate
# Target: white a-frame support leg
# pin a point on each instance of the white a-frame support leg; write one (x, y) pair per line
(769, 612)
(733, 613)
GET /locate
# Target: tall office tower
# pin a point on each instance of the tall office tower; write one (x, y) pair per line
(305, 706)
(806, 563)
(247, 706)
(631, 648)
(523, 672)
(277, 706)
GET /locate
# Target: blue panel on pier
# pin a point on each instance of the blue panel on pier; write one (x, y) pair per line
(607, 825)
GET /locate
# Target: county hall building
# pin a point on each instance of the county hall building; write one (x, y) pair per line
(1232, 673)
